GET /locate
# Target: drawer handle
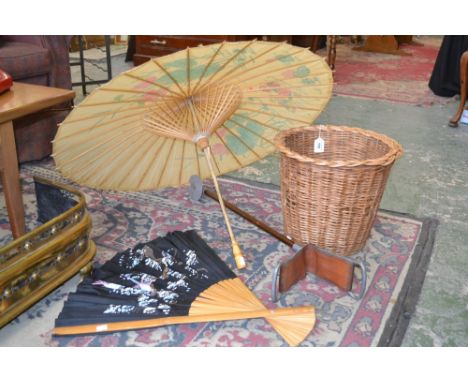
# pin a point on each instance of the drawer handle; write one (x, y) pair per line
(158, 42)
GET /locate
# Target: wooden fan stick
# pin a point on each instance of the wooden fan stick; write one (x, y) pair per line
(196, 318)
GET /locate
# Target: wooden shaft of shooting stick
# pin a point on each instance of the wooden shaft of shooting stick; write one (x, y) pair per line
(251, 219)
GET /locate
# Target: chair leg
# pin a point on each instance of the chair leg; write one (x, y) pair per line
(331, 51)
(463, 89)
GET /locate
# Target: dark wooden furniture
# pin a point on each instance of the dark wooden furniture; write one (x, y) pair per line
(21, 100)
(463, 89)
(147, 47)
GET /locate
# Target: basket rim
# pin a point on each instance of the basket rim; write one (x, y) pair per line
(395, 149)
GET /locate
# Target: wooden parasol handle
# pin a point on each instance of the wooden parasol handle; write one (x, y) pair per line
(203, 144)
(236, 251)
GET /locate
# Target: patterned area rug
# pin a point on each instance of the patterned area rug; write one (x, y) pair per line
(388, 77)
(396, 256)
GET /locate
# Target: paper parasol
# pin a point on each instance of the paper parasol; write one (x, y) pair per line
(148, 127)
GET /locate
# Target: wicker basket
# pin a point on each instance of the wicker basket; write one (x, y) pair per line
(330, 199)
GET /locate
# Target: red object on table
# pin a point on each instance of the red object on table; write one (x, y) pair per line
(5, 81)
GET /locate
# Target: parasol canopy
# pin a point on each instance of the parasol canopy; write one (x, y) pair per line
(147, 128)
(136, 132)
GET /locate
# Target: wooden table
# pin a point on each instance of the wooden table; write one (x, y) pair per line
(22, 99)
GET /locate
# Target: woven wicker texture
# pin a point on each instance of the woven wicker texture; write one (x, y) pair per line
(330, 199)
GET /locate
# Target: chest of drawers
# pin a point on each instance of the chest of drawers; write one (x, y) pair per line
(147, 47)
